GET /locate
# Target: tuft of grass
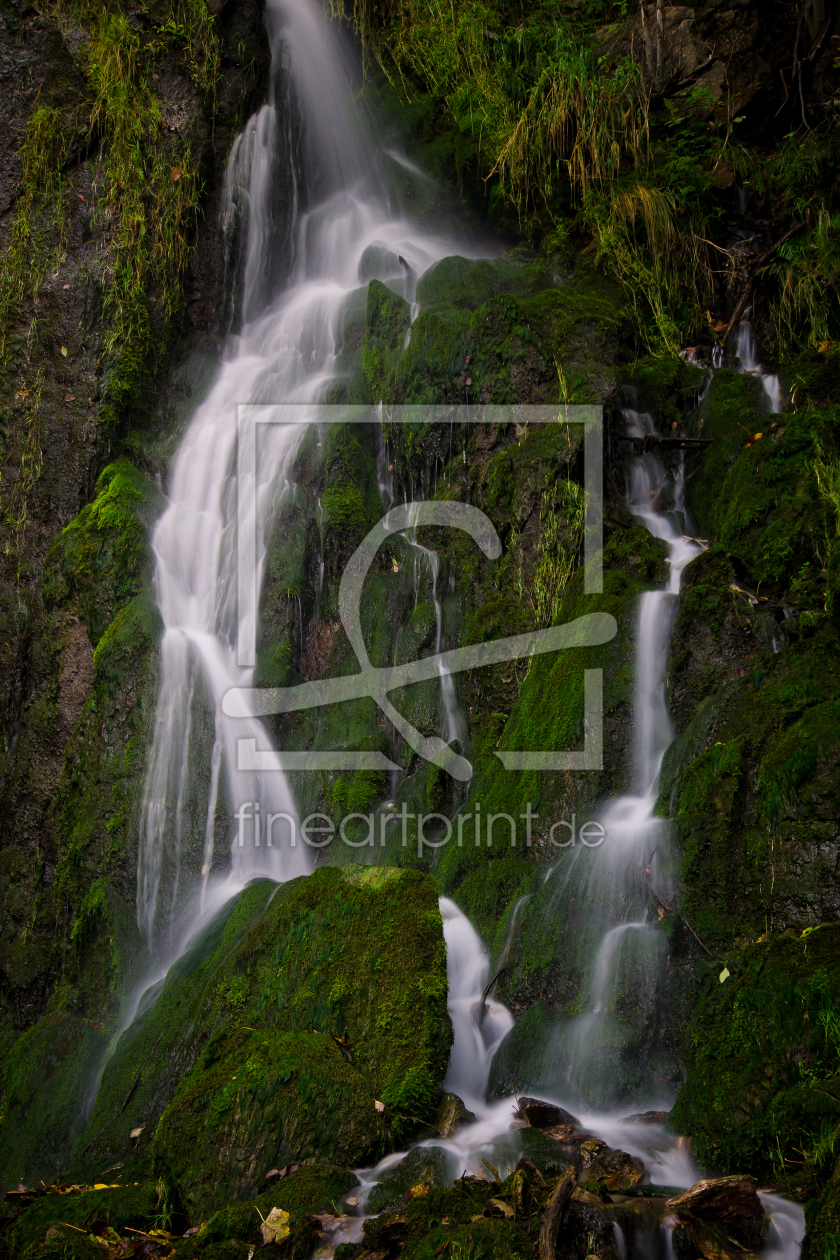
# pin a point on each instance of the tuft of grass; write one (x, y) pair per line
(562, 518)
(39, 226)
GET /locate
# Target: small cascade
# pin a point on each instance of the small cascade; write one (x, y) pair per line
(631, 951)
(745, 351)
(427, 563)
(479, 1025)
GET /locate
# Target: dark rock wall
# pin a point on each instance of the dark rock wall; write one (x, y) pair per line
(79, 628)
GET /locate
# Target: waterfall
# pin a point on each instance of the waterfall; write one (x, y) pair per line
(296, 279)
(297, 260)
(479, 1027)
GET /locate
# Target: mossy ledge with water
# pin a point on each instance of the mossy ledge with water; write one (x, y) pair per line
(308, 1024)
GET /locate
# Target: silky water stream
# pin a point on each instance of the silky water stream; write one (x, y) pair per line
(340, 214)
(636, 840)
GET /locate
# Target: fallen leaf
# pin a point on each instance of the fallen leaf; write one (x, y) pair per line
(64, 351)
(275, 1227)
(65, 286)
(46, 301)
(176, 173)
(724, 975)
(757, 436)
(70, 398)
(380, 1106)
(79, 195)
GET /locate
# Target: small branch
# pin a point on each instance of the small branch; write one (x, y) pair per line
(483, 1007)
(744, 298)
(554, 1214)
(694, 934)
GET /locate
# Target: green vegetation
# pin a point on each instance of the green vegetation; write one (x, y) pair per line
(147, 204)
(568, 122)
(295, 1050)
(765, 1059)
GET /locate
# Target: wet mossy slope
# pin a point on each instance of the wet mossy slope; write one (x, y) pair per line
(305, 1021)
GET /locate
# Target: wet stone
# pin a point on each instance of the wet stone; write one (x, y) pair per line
(544, 1115)
(431, 1165)
(586, 1229)
(451, 1115)
(647, 1117)
(616, 1169)
(731, 1202)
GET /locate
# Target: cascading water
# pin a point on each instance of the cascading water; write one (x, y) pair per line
(342, 231)
(636, 839)
(479, 1027)
(745, 351)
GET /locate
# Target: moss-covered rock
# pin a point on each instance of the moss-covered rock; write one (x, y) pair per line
(430, 1165)
(763, 1049)
(84, 1213)
(263, 1047)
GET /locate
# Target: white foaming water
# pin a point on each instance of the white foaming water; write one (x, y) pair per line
(286, 352)
(479, 1028)
(745, 350)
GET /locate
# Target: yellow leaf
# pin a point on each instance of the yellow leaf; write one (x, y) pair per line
(64, 351)
(275, 1227)
(724, 975)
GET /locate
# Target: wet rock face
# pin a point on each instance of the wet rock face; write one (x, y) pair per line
(728, 56)
(72, 713)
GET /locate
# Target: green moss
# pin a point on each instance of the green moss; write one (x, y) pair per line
(45, 1075)
(312, 1189)
(281, 1096)
(116, 1207)
(298, 1049)
(526, 1060)
(764, 1047)
(469, 283)
(103, 559)
(387, 319)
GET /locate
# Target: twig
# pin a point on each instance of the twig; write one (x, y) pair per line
(483, 1008)
(694, 934)
(554, 1214)
(742, 301)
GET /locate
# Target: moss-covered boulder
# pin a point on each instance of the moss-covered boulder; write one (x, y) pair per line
(306, 1021)
(68, 1220)
(764, 1061)
(425, 1165)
